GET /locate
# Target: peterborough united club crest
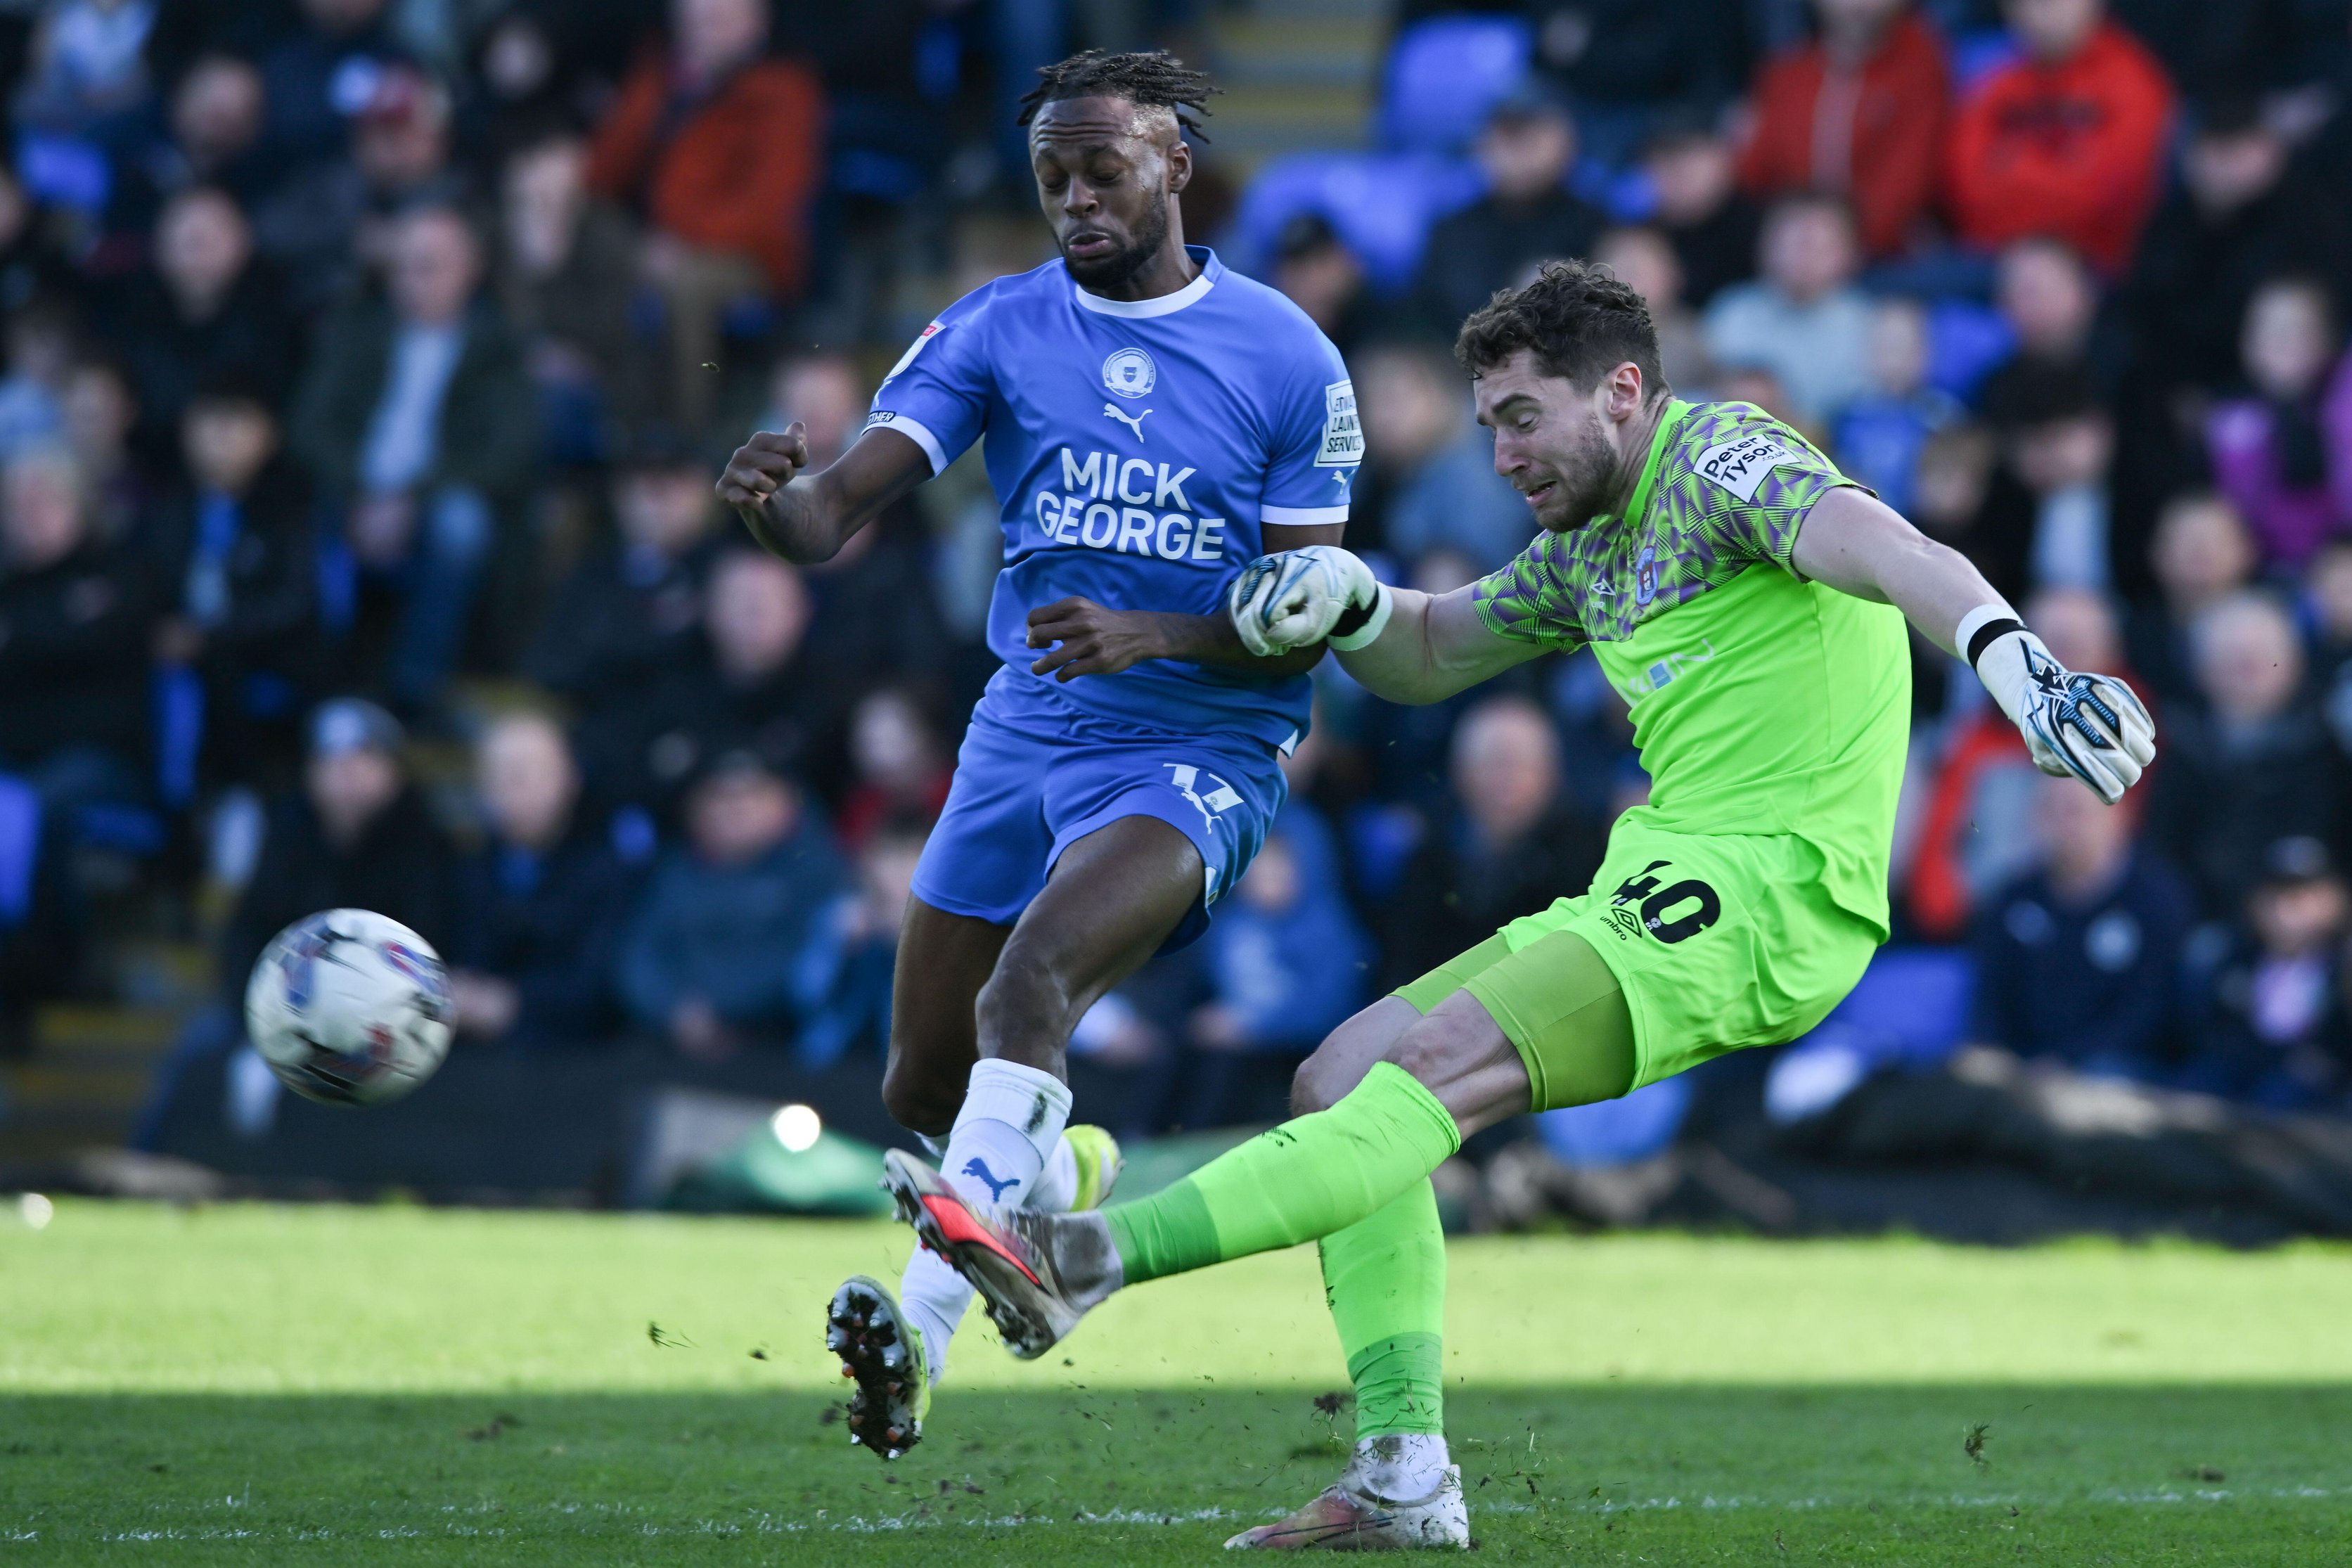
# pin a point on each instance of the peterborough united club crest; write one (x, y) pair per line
(1129, 373)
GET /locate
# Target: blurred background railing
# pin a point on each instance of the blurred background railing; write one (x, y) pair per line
(365, 365)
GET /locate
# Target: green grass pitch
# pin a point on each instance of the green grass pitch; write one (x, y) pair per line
(259, 1384)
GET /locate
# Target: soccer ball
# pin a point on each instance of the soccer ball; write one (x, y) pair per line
(349, 1007)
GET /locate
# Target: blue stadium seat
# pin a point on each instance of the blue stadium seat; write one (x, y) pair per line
(67, 172)
(179, 701)
(130, 830)
(1381, 204)
(1380, 838)
(1444, 75)
(1911, 1005)
(1976, 54)
(1618, 1131)
(1910, 1010)
(20, 848)
(1966, 342)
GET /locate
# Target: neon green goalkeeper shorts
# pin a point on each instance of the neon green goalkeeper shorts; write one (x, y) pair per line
(1717, 941)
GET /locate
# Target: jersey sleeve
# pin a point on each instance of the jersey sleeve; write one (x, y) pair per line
(1529, 598)
(937, 394)
(1318, 443)
(1756, 483)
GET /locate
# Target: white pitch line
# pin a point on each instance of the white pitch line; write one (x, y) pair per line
(861, 1524)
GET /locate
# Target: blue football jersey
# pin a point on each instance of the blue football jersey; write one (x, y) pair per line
(1137, 449)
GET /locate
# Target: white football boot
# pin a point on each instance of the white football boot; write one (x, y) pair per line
(1360, 1513)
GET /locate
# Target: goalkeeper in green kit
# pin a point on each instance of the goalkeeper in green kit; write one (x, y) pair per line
(1748, 604)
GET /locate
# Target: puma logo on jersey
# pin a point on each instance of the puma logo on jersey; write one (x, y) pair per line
(1132, 421)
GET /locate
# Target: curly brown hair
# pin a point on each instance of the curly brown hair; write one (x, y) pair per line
(1577, 320)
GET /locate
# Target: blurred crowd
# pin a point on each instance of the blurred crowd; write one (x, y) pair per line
(365, 366)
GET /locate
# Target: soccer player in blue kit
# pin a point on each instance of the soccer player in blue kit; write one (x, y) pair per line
(1153, 423)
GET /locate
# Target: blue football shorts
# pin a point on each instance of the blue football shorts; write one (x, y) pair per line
(1021, 796)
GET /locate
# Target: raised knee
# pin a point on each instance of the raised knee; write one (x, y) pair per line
(919, 1101)
(1315, 1087)
(1422, 1051)
(1023, 994)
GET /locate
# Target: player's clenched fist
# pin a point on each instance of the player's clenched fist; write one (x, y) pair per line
(764, 465)
(1300, 597)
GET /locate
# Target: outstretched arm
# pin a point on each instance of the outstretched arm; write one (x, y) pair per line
(807, 518)
(2092, 726)
(1858, 544)
(1433, 647)
(1398, 643)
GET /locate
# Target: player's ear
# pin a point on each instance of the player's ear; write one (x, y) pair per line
(1180, 165)
(1624, 390)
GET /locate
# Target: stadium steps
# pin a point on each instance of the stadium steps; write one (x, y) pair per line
(89, 1071)
(1298, 75)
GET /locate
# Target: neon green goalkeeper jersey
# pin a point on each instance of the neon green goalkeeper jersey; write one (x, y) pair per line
(1762, 704)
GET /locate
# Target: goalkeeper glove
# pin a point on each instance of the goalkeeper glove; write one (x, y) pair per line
(2091, 726)
(1303, 597)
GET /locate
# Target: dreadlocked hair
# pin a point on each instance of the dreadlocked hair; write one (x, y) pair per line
(1156, 80)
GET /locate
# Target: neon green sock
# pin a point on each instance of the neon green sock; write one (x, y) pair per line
(1298, 1181)
(1384, 1279)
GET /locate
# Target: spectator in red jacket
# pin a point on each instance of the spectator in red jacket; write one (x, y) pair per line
(1859, 112)
(721, 150)
(2068, 141)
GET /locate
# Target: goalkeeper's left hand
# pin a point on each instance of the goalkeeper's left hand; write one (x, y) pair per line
(2092, 726)
(1303, 596)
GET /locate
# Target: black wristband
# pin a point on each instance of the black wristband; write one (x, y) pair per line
(1351, 619)
(1988, 634)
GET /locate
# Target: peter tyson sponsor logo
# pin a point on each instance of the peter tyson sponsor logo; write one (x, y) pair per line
(1740, 466)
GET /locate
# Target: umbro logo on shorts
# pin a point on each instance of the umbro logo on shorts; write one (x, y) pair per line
(1693, 905)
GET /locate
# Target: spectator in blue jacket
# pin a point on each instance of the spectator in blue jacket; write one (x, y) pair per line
(2079, 959)
(2275, 1029)
(1285, 963)
(711, 958)
(1287, 960)
(1881, 434)
(234, 544)
(846, 972)
(541, 903)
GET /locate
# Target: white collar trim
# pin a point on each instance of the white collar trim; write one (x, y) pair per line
(1144, 310)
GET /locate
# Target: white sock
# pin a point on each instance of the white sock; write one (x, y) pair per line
(1401, 1466)
(934, 1297)
(1057, 1183)
(1011, 1120)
